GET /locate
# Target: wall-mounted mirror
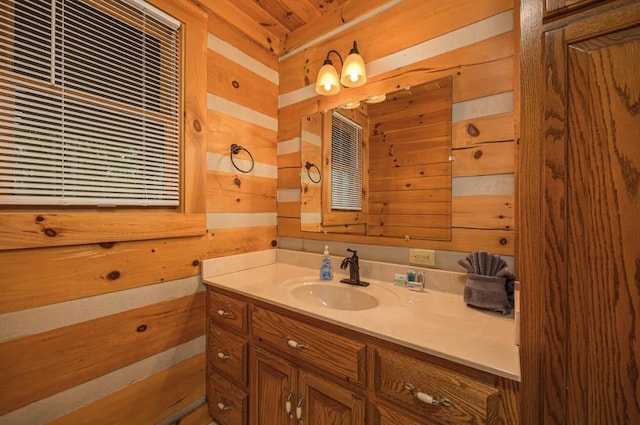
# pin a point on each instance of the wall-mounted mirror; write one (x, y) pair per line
(402, 149)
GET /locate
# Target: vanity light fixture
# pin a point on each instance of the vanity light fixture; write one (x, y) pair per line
(353, 73)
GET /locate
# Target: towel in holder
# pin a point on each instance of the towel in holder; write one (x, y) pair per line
(490, 284)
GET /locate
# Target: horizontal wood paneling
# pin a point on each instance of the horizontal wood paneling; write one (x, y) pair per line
(466, 240)
(489, 158)
(484, 212)
(289, 209)
(494, 128)
(289, 178)
(234, 17)
(232, 241)
(224, 31)
(40, 365)
(224, 130)
(240, 85)
(432, 68)
(240, 192)
(150, 400)
(70, 273)
(343, 14)
(482, 66)
(483, 79)
(35, 230)
(375, 44)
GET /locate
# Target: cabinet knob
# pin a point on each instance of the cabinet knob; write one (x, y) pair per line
(223, 356)
(296, 344)
(223, 406)
(299, 408)
(426, 398)
(288, 405)
(223, 313)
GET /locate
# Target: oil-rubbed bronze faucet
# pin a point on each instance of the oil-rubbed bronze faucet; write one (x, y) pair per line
(354, 269)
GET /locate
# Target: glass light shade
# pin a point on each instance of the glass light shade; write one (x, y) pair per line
(353, 71)
(376, 99)
(327, 81)
(351, 105)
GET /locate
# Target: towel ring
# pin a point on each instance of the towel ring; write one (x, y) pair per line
(235, 149)
(309, 166)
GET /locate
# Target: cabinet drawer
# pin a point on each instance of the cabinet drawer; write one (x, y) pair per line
(328, 351)
(389, 416)
(227, 403)
(228, 311)
(471, 401)
(228, 354)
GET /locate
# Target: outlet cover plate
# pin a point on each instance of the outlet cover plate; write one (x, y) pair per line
(422, 257)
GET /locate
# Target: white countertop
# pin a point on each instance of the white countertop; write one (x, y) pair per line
(437, 323)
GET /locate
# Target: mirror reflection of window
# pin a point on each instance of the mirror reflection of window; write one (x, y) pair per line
(346, 164)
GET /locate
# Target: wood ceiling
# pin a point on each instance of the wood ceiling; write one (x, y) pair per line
(280, 17)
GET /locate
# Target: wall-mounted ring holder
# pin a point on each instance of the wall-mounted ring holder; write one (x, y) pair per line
(309, 166)
(235, 149)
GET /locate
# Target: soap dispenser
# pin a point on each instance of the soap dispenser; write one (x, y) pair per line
(326, 271)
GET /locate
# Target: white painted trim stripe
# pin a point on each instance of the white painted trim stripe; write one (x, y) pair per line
(234, 263)
(222, 105)
(32, 321)
(342, 28)
(470, 34)
(312, 138)
(495, 104)
(222, 163)
(241, 58)
(45, 410)
(289, 146)
(310, 218)
(497, 184)
(288, 195)
(465, 36)
(232, 220)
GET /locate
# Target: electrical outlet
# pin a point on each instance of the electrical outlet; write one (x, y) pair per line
(422, 257)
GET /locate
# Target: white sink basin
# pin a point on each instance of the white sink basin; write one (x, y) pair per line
(344, 297)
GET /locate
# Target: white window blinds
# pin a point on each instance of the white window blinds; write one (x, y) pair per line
(346, 164)
(89, 103)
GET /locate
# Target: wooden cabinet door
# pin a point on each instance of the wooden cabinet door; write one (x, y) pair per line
(556, 7)
(592, 226)
(327, 403)
(272, 384)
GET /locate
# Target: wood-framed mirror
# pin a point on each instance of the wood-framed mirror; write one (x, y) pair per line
(405, 164)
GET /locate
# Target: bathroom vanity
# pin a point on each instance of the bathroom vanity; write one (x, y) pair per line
(381, 355)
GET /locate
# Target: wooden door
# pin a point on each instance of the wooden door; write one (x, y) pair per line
(592, 226)
(272, 384)
(328, 403)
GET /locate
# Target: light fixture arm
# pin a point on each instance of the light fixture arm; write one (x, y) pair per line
(327, 61)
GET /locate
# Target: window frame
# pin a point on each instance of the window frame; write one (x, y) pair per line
(45, 82)
(35, 226)
(349, 221)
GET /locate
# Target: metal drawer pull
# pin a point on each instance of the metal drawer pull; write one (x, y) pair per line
(223, 406)
(296, 344)
(426, 398)
(299, 408)
(288, 405)
(223, 356)
(224, 313)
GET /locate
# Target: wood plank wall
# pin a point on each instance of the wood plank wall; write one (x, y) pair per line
(411, 42)
(106, 322)
(242, 108)
(108, 325)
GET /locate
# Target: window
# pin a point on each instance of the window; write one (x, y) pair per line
(89, 104)
(346, 164)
